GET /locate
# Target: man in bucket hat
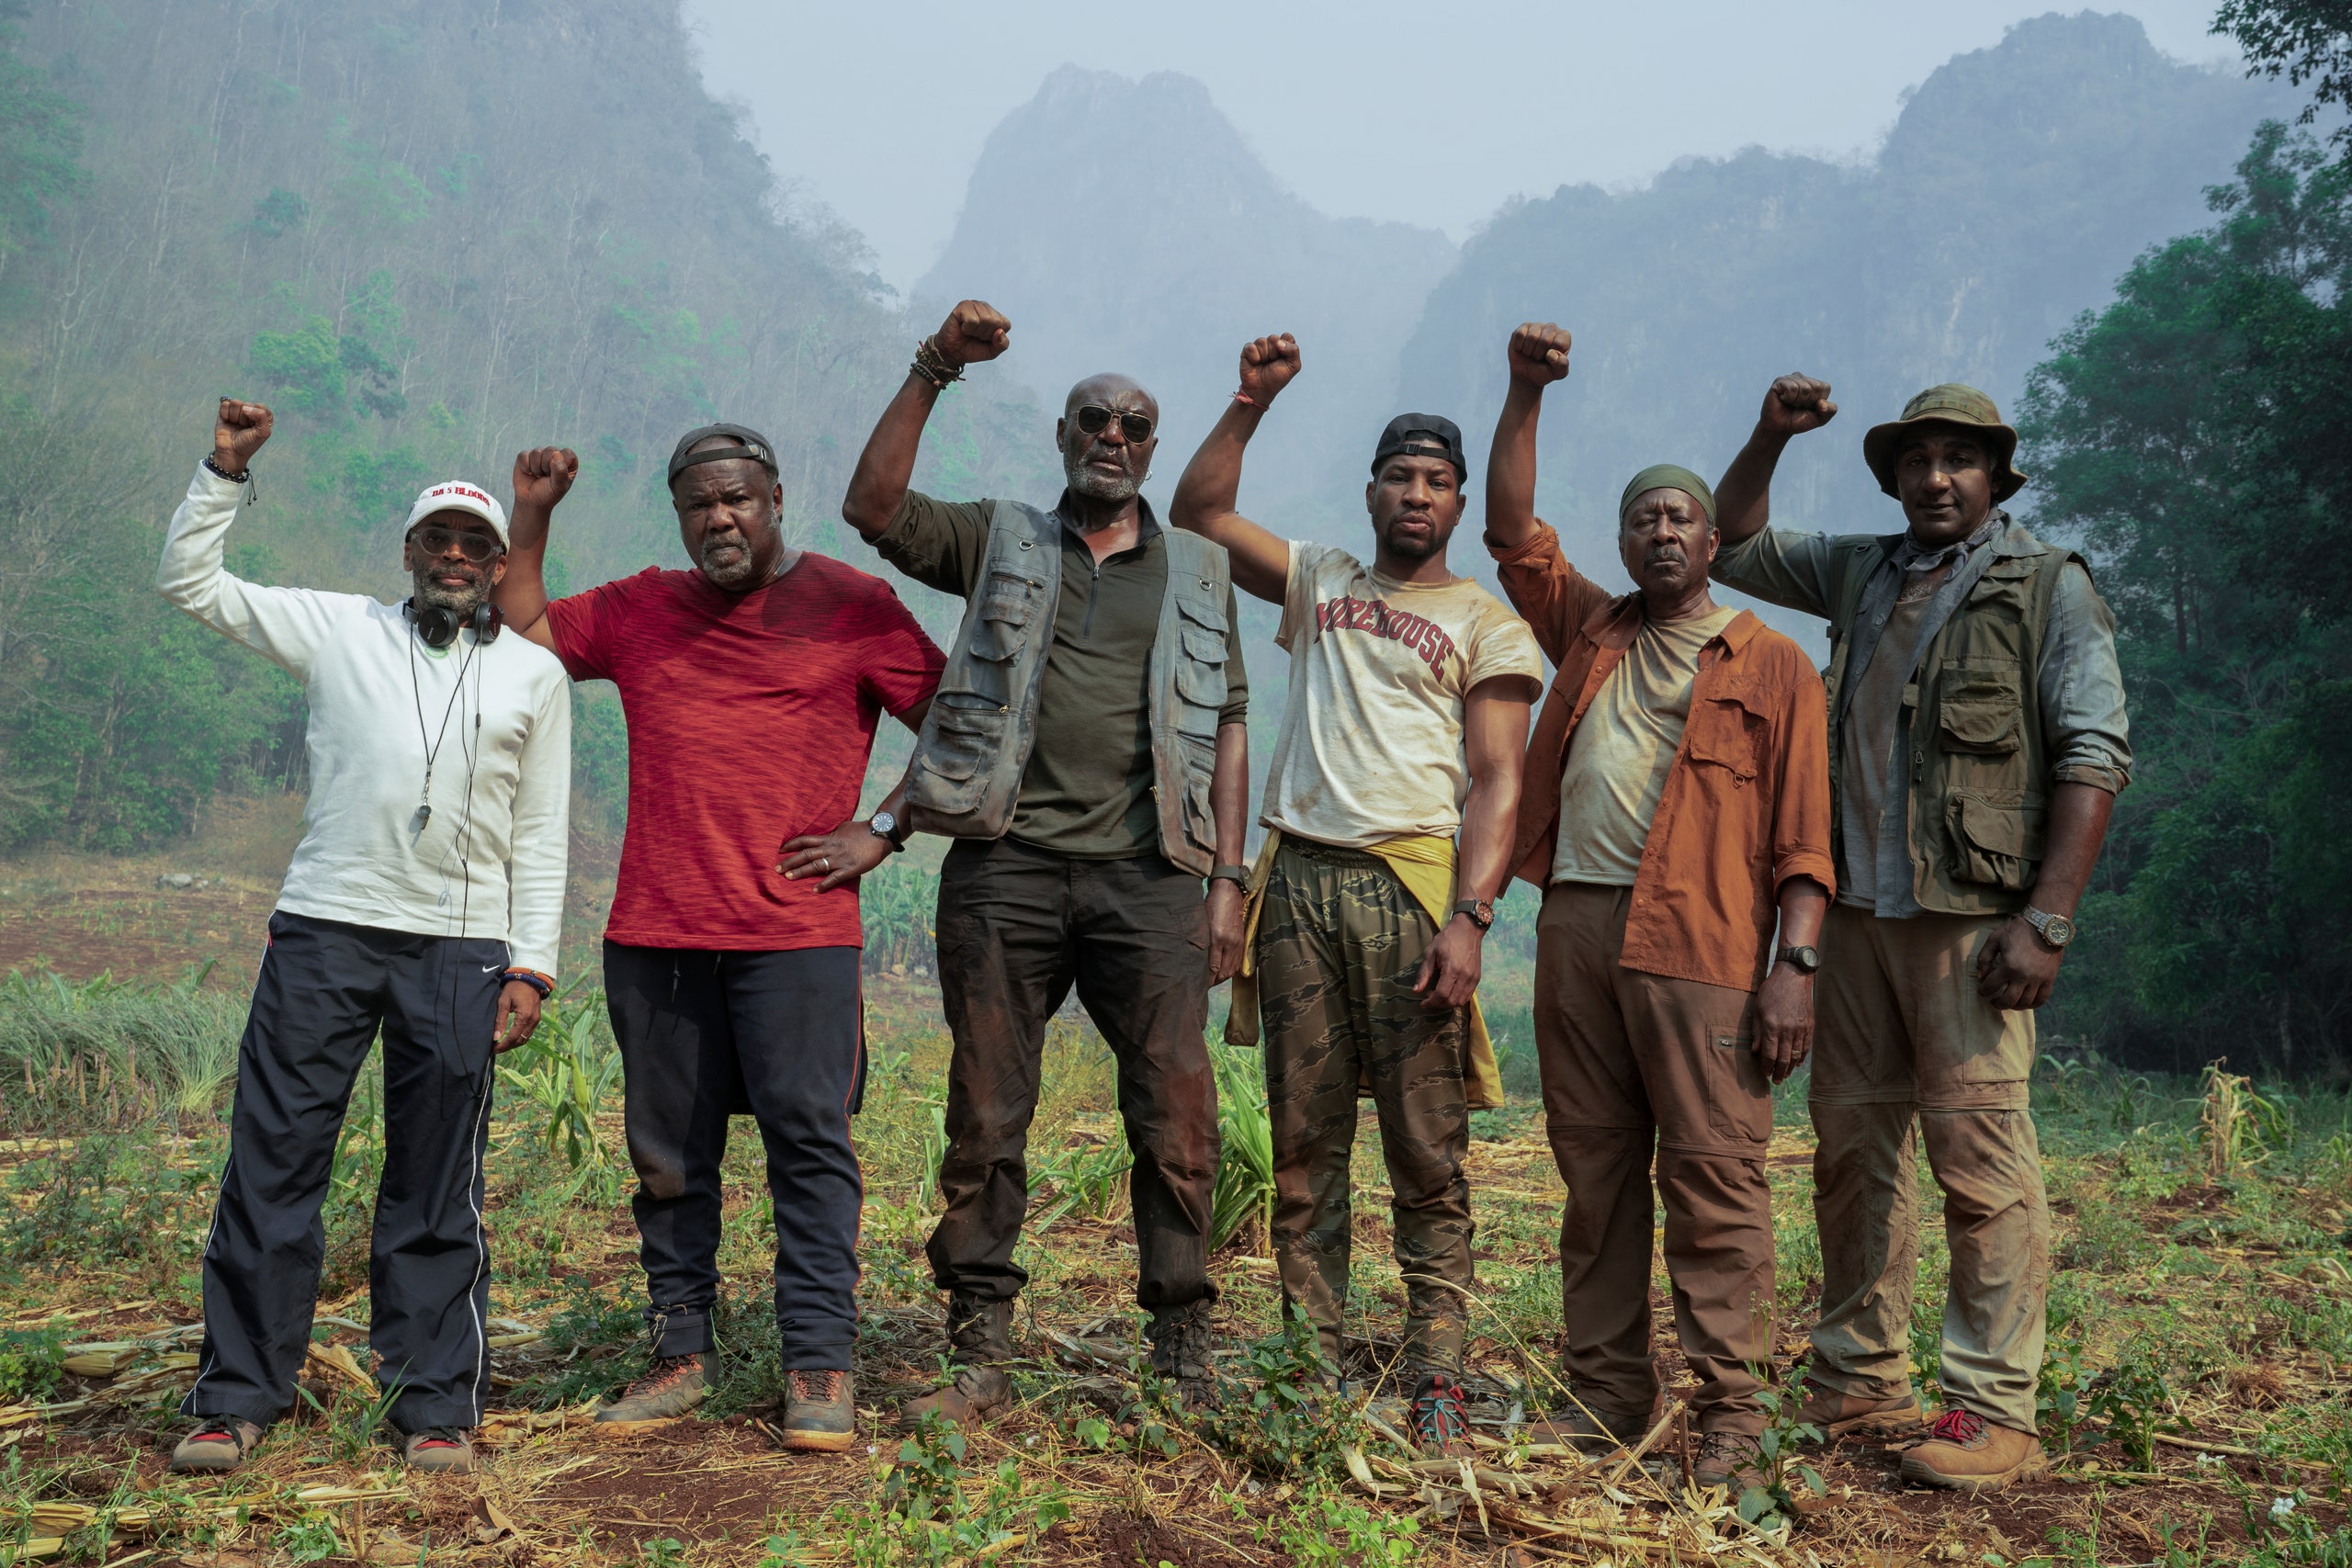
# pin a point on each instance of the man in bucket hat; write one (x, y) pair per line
(1676, 817)
(423, 901)
(1977, 744)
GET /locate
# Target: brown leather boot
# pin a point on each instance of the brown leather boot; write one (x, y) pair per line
(1593, 1429)
(1183, 1351)
(1968, 1453)
(1727, 1460)
(671, 1387)
(980, 1337)
(1837, 1413)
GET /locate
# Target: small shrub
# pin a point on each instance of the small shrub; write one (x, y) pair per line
(2133, 1398)
(32, 1363)
(1771, 1502)
(1326, 1529)
(1291, 1422)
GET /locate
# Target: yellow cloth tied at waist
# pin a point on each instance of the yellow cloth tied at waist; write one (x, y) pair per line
(1425, 865)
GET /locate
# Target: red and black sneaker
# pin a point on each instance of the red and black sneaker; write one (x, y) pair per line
(1440, 1420)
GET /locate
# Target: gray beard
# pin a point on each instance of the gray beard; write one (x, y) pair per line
(1094, 486)
(460, 602)
(734, 574)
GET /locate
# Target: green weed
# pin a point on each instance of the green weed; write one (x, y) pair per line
(32, 1363)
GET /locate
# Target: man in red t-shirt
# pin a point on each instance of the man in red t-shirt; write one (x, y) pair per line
(753, 686)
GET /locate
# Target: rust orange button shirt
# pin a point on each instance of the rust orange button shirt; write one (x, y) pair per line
(1746, 802)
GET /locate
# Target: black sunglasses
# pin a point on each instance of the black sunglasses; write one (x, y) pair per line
(1093, 419)
(435, 540)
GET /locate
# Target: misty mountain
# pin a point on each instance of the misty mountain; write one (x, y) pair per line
(2017, 183)
(1126, 225)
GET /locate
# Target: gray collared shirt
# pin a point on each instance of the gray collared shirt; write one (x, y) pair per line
(2081, 681)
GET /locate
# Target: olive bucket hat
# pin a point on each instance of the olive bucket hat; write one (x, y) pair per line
(1951, 403)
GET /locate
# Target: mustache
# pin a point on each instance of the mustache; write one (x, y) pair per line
(1665, 555)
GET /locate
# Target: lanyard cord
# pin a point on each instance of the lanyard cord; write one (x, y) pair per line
(433, 745)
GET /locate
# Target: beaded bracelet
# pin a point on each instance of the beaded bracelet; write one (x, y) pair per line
(933, 368)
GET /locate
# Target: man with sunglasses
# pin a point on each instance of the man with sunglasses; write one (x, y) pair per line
(754, 684)
(1088, 750)
(1407, 713)
(425, 901)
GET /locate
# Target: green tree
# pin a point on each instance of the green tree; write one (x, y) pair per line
(2304, 40)
(40, 143)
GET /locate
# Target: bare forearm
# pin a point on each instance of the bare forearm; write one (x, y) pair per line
(1804, 904)
(888, 465)
(1488, 817)
(1229, 792)
(1510, 467)
(522, 593)
(2078, 815)
(1211, 487)
(1743, 495)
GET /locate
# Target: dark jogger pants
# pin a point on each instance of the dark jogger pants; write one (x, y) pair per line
(1018, 927)
(781, 1035)
(325, 989)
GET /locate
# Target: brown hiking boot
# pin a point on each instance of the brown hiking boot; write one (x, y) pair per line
(1183, 1351)
(674, 1385)
(1837, 1413)
(820, 1412)
(1722, 1457)
(1968, 1453)
(221, 1443)
(443, 1449)
(1593, 1430)
(980, 1337)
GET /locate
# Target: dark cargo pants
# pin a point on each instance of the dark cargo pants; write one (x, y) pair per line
(1017, 927)
(324, 990)
(1340, 942)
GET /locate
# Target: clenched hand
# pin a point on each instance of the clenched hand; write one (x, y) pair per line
(1268, 365)
(1539, 353)
(238, 432)
(974, 332)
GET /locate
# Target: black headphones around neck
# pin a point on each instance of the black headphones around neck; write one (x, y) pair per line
(439, 627)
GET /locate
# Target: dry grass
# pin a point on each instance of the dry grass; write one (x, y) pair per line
(2231, 1288)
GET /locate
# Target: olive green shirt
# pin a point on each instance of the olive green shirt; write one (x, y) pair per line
(1087, 789)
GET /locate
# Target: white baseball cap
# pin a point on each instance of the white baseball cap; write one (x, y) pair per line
(456, 495)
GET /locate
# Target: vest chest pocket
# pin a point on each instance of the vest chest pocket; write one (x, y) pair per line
(1200, 667)
(967, 734)
(1982, 712)
(1008, 604)
(1998, 838)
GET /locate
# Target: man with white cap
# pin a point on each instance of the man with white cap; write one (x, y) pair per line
(425, 901)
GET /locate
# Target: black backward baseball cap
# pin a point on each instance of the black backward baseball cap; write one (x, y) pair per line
(748, 444)
(1422, 435)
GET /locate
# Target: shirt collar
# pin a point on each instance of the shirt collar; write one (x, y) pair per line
(1147, 525)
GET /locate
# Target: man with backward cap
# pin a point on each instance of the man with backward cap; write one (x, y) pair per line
(754, 684)
(1677, 811)
(1976, 742)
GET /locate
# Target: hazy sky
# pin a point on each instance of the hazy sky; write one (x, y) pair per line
(1433, 114)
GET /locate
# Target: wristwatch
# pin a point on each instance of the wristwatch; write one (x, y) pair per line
(1236, 875)
(882, 825)
(1480, 911)
(1806, 959)
(2055, 929)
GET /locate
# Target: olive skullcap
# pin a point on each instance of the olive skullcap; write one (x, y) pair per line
(750, 444)
(1422, 435)
(1667, 475)
(1951, 404)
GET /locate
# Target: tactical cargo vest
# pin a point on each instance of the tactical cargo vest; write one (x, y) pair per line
(1978, 822)
(975, 740)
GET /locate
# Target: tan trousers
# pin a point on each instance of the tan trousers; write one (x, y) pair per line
(1631, 1062)
(1900, 1031)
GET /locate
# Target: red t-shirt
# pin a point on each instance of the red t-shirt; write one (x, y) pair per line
(751, 717)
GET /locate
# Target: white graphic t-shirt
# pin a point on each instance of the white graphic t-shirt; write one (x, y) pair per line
(1371, 746)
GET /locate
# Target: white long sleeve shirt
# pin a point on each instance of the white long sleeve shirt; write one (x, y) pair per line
(489, 860)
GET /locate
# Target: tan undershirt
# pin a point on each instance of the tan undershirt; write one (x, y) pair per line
(1624, 747)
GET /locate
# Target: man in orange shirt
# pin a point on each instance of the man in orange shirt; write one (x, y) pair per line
(1675, 810)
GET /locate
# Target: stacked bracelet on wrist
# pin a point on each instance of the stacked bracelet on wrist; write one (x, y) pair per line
(240, 477)
(531, 978)
(934, 367)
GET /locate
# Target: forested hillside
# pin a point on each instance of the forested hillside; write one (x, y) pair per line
(428, 232)
(2017, 183)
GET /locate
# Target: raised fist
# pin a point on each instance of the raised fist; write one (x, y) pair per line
(1796, 404)
(974, 330)
(1268, 364)
(238, 432)
(1539, 353)
(543, 476)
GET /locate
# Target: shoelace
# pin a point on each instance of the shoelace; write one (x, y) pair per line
(666, 1371)
(1438, 1415)
(825, 1385)
(1957, 1425)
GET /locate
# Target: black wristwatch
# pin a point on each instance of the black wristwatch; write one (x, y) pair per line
(1480, 911)
(884, 825)
(1806, 959)
(1236, 875)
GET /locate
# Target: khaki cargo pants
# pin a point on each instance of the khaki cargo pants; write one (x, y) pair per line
(1900, 1033)
(1340, 942)
(1635, 1063)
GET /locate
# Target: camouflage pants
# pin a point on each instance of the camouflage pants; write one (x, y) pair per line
(1339, 942)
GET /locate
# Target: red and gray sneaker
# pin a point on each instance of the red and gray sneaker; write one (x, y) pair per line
(1440, 1420)
(443, 1448)
(221, 1443)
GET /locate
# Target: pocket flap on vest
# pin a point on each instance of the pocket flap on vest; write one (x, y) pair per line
(2018, 829)
(1203, 614)
(1206, 647)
